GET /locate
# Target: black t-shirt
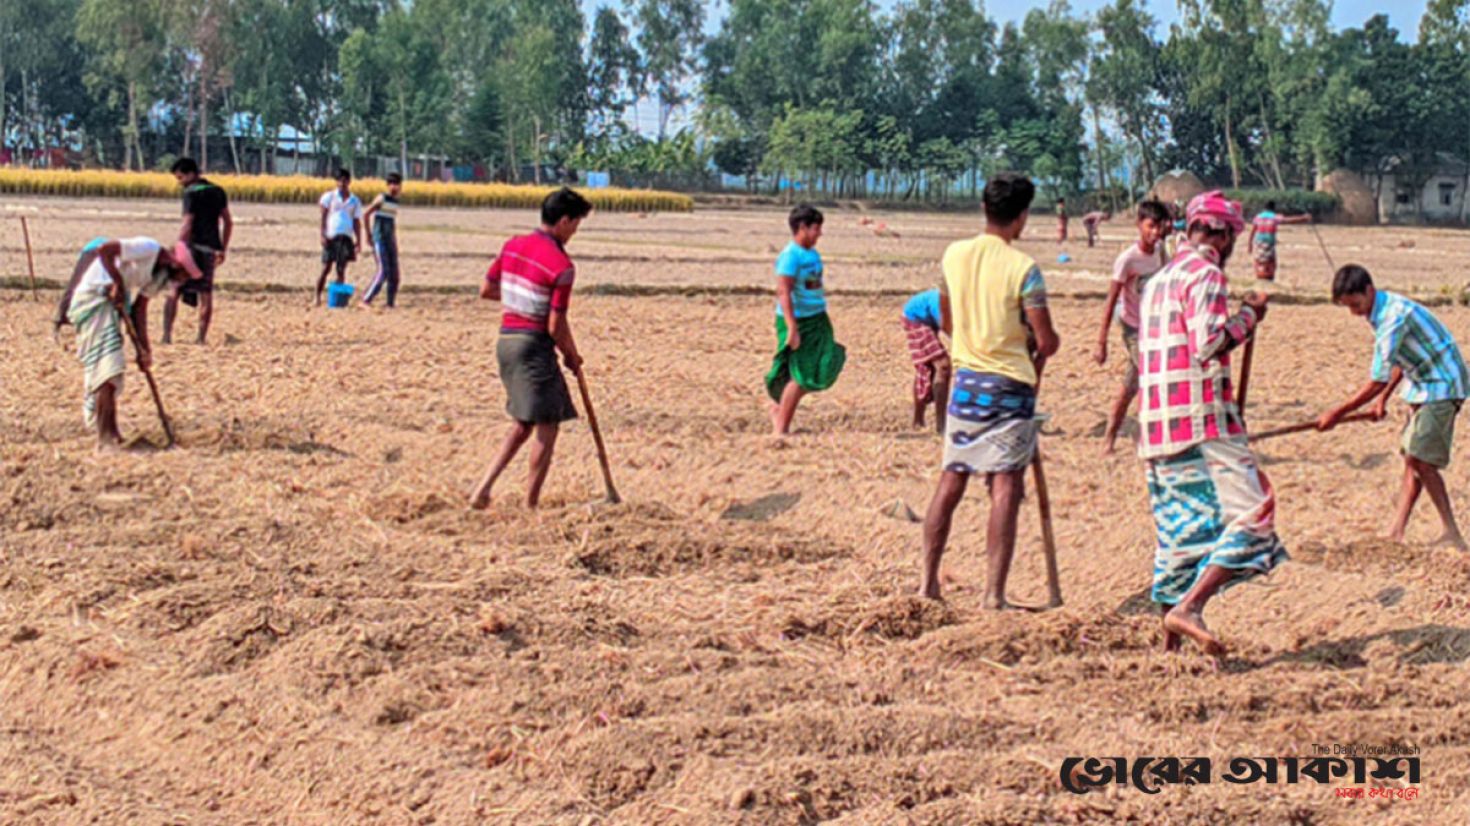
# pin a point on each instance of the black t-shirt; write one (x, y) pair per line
(205, 201)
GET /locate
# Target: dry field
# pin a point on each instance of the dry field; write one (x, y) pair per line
(292, 618)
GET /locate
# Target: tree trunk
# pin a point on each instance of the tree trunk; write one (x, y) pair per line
(203, 126)
(131, 150)
(1103, 184)
(1230, 145)
(536, 148)
(188, 119)
(230, 131)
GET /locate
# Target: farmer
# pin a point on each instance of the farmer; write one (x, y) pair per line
(808, 358)
(1262, 245)
(921, 323)
(206, 230)
(1091, 221)
(120, 270)
(1130, 272)
(1061, 220)
(993, 304)
(1409, 342)
(382, 216)
(532, 278)
(1214, 509)
(341, 230)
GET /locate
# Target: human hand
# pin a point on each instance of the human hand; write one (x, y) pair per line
(1380, 409)
(145, 359)
(325, 241)
(573, 361)
(117, 296)
(1257, 301)
(793, 340)
(1328, 420)
(219, 258)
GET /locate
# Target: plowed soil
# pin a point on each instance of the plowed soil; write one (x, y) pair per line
(292, 617)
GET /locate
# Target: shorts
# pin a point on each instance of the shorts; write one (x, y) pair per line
(194, 287)
(1130, 345)
(1430, 433)
(340, 249)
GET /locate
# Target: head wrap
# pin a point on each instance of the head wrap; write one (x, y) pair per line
(1215, 211)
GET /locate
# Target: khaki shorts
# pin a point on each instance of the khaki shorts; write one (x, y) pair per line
(1130, 344)
(1430, 433)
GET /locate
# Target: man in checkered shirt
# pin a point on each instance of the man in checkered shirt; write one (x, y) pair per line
(1214, 508)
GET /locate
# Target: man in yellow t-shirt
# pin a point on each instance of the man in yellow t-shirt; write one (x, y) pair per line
(993, 304)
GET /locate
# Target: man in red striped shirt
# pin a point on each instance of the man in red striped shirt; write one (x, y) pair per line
(532, 279)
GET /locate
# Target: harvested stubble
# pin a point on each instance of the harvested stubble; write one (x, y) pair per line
(300, 189)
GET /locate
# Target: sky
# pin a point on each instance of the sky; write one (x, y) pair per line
(1404, 15)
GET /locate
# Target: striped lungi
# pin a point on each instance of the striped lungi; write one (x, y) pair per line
(99, 346)
(925, 348)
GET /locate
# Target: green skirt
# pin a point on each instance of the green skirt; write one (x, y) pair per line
(815, 366)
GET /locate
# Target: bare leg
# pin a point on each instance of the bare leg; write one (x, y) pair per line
(936, 528)
(321, 282)
(919, 407)
(541, 452)
(170, 311)
(790, 398)
(206, 314)
(1171, 639)
(1006, 490)
(941, 394)
(1433, 484)
(1408, 495)
(519, 433)
(1188, 617)
(1115, 418)
(108, 437)
(341, 271)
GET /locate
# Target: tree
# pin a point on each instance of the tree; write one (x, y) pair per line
(1124, 76)
(122, 36)
(612, 64)
(669, 34)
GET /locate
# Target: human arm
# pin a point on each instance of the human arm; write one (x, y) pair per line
(140, 326)
(229, 229)
(108, 254)
(367, 218)
(1044, 339)
(1250, 244)
(946, 313)
(1213, 331)
(324, 224)
(490, 286)
(784, 287)
(561, 333)
(1370, 391)
(1304, 218)
(1115, 289)
(357, 231)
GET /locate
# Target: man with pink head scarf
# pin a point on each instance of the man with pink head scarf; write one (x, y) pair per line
(1214, 508)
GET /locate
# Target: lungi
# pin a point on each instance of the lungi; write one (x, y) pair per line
(814, 366)
(1212, 506)
(991, 427)
(925, 348)
(535, 389)
(99, 346)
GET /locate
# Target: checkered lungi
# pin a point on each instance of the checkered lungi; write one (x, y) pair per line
(925, 348)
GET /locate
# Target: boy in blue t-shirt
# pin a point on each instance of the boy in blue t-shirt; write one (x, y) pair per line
(921, 322)
(808, 358)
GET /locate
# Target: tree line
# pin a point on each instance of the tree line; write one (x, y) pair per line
(920, 101)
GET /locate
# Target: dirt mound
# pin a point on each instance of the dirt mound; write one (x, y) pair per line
(906, 617)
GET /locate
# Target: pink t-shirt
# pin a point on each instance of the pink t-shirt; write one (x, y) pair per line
(1132, 270)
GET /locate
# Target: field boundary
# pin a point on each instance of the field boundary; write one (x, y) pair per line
(21, 283)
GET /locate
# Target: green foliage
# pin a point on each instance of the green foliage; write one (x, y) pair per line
(1288, 201)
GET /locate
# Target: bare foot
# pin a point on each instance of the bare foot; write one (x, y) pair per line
(994, 602)
(1109, 449)
(775, 416)
(1452, 540)
(110, 445)
(1191, 624)
(930, 590)
(1396, 537)
(480, 500)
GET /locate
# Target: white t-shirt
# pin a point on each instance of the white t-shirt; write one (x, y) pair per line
(341, 213)
(135, 263)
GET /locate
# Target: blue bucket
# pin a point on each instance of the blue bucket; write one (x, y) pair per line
(339, 295)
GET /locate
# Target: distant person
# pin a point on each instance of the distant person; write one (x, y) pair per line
(532, 279)
(808, 357)
(1409, 342)
(1091, 221)
(1131, 272)
(1061, 220)
(1262, 243)
(1214, 509)
(120, 276)
(206, 230)
(921, 325)
(341, 230)
(993, 303)
(382, 216)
